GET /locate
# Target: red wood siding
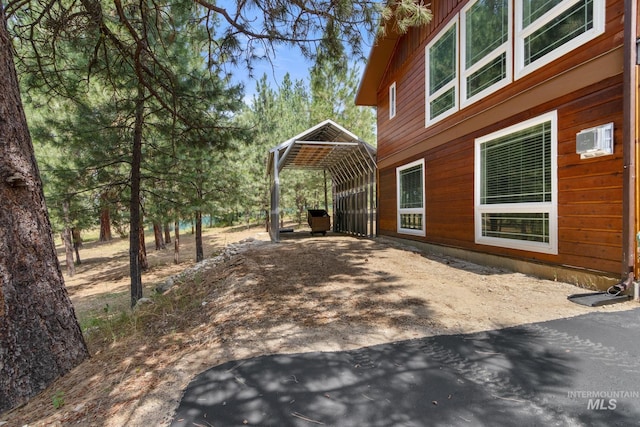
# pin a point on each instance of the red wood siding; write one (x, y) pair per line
(589, 191)
(408, 71)
(387, 201)
(586, 89)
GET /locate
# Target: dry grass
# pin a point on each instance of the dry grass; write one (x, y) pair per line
(128, 348)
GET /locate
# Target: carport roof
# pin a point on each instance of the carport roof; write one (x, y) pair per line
(326, 146)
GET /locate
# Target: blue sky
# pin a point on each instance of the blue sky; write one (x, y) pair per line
(284, 59)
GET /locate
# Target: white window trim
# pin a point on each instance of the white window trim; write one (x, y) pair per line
(454, 83)
(412, 210)
(521, 33)
(544, 207)
(393, 96)
(504, 48)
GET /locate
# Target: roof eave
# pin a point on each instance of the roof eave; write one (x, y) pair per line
(377, 64)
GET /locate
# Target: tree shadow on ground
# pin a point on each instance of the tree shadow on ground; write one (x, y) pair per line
(296, 292)
(500, 378)
(320, 294)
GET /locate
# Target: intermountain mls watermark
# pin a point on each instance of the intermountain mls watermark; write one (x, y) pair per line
(603, 400)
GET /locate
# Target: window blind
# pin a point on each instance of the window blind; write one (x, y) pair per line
(517, 168)
(411, 187)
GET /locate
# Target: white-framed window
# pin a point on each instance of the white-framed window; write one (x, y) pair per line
(548, 29)
(485, 48)
(442, 74)
(410, 187)
(392, 100)
(516, 186)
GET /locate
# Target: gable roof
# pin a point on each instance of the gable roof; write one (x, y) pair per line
(325, 146)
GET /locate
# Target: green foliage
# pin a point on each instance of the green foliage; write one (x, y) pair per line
(82, 65)
(83, 127)
(404, 14)
(57, 400)
(70, 146)
(109, 324)
(334, 85)
(279, 115)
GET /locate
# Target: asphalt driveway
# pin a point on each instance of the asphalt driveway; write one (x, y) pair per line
(570, 372)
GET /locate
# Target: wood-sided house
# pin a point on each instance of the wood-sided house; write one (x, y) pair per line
(507, 133)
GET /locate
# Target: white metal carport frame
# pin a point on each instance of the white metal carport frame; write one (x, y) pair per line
(351, 163)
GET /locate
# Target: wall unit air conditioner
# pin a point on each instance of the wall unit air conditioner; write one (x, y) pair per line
(595, 142)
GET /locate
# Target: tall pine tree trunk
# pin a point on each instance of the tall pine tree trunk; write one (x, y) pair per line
(40, 338)
(142, 253)
(199, 248)
(135, 269)
(66, 238)
(157, 234)
(167, 233)
(105, 222)
(77, 243)
(176, 243)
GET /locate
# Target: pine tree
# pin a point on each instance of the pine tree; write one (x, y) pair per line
(40, 338)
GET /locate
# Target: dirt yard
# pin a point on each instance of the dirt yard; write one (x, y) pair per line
(321, 293)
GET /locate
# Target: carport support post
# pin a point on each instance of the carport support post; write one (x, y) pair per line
(275, 199)
(326, 199)
(372, 204)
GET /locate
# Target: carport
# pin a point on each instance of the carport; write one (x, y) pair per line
(351, 165)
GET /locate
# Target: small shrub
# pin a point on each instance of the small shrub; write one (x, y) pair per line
(58, 399)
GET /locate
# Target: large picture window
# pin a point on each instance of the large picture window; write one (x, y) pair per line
(442, 74)
(548, 29)
(411, 210)
(516, 186)
(485, 51)
(502, 40)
